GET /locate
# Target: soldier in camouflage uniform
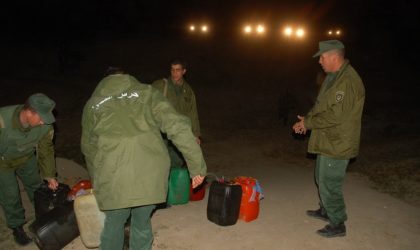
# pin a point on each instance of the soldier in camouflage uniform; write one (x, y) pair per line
(182, 97)
(27, 151)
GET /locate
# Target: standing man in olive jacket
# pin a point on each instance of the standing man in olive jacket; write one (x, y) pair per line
(182, 97)
(335, 121)
(26, 148)
(127, 158)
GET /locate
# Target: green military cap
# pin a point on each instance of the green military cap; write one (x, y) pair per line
(44, 106)
(328, 45)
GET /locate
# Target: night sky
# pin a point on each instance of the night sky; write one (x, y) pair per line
(81, 17)
(388, 27)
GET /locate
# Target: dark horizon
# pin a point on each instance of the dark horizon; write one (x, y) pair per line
(376, 31)
(49, 18)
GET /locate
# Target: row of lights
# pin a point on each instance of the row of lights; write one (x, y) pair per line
(203, 28)
(335, 33)
(257, 29)
(288, 31)
(260, 29)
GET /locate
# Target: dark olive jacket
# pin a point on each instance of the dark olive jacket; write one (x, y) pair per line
(335, 119)
(182, 98)
(19, 144)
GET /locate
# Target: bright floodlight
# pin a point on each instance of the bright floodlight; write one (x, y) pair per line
(260, 29)
(338, 32)
(300, 32)
(330, 32)
(288, 31)
(247, 29)
(192, 28)
(204, 28)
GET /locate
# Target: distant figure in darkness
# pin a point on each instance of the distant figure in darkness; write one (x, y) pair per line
(182, 97)
(335, 123)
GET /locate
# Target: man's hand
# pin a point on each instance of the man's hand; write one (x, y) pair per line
(198, 139)
(52, 183)
(299, 127)
(197, 180)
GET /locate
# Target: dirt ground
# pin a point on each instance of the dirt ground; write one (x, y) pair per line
(241, 88)
(376, 220)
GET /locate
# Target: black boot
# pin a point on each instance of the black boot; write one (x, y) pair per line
(319, 214)
(20, 236)
(330, 230)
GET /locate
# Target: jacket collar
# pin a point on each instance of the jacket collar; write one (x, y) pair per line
(16, 124)
(173, 83)
(343, 67)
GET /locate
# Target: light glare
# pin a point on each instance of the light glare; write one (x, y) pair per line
(260, 29)
(247, 29)
(288, 31)
(300, 32)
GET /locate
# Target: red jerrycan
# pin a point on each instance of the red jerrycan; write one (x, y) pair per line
(250, 205)
(79, 188)
(198, 193)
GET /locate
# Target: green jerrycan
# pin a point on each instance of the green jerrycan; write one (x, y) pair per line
(179, 186)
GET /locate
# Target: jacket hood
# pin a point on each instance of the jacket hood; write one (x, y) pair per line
(115, 85)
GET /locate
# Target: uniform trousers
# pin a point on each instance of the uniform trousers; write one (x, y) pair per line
(141, 234)
(10, 199)
(329, 177)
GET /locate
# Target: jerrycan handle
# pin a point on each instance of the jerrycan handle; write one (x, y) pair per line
(220, 180)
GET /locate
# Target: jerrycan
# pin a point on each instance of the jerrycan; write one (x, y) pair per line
(79, 188)
(89, 219)
(56, 228)
(45, 199)
(250, 207)
(198, 193)
(224, 203)
(179, 186)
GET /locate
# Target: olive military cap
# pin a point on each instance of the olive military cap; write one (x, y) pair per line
(328, 45)
(44, 106)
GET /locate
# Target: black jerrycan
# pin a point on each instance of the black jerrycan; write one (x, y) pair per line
(224, 203)
(46, 199)
(56, 228)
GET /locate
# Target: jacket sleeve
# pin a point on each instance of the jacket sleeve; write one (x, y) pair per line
(87, 144)
(159, 84)
(339, 104)
(45, 154)
(178, 129)
(195, 123)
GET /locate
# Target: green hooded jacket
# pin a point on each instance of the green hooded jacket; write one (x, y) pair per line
(335, 119)
(182, 98)
(125, 154)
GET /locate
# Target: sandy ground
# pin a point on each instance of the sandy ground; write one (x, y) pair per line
(376, 220)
